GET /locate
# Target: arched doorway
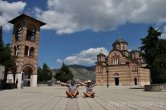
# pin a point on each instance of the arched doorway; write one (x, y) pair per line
(26, 76)
(116, 76)
(135, 81)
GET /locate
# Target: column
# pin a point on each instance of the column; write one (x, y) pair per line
(10, 78)
(33, 80)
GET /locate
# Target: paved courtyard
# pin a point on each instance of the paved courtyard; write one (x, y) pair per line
(54, 98)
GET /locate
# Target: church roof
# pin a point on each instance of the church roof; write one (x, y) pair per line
(25, 16)
(120, 40)
(101, 54)
(121, 52)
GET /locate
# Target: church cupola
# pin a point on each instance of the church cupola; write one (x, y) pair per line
(101, 57)
(120, 44)
(135, 54)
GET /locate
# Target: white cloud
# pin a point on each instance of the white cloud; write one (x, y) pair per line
(59, 60)
(8, 11)
(69, 16)
(163, 35)
(85, 57)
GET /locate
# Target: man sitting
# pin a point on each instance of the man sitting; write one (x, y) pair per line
(72, 89)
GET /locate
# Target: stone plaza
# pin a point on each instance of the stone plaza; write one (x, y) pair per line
(54, 98)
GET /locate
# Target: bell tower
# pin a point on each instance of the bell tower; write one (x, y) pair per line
(25, 40)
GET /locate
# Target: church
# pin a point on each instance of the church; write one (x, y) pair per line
(121, 67)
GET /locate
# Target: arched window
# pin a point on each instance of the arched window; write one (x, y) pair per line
(26, 52)
(18, 33)
(31, 52)
(33, 31)
(116, 75)
(99, 70)
(134, 68)
(115, 59)
(121, 46)
(98, 59)
(125, 46)
(31, 34)
(117, 46)
(133, 55)
(15, 50)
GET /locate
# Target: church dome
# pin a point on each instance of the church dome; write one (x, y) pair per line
(100, 54)
(120, 40)
(120, 44)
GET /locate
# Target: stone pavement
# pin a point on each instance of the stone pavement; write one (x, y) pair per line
(54, 98)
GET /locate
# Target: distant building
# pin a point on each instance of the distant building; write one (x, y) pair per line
(124, 68)
(2, 72)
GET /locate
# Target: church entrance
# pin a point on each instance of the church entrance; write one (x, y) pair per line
(135, 81)
(116, 76)
(26, 76)
(117, 81)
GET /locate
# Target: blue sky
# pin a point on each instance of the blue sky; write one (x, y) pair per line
(77, 30)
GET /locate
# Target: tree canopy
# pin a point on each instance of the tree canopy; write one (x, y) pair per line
(1, 46)
(64, 74)
(154, 52)
(5, 56)
(44, 73)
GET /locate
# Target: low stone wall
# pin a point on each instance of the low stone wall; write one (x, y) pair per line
(156, 88)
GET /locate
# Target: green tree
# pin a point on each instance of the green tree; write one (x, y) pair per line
(47, 72)
(1, 46)
(8, 61)
(40, 74)
(158, 70)
(154, 52)
(5, 56)
(64, 74)
(44, 73)
(149, 45)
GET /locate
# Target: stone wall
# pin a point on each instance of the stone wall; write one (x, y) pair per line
(2, 71)
(156, 88)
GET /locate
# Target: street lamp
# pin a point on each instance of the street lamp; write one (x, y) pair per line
(107, 70)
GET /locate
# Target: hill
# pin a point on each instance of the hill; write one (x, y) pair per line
(81, 72)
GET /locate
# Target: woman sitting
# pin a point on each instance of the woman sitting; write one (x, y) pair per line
(89, 90)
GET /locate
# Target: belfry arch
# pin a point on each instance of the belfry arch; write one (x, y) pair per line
(27, 72)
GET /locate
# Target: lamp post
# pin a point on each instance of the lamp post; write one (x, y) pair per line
(107, 70)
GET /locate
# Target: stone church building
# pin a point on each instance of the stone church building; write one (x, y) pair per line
(122, 67)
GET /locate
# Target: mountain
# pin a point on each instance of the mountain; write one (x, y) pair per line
(81, 72)
(91, 68)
